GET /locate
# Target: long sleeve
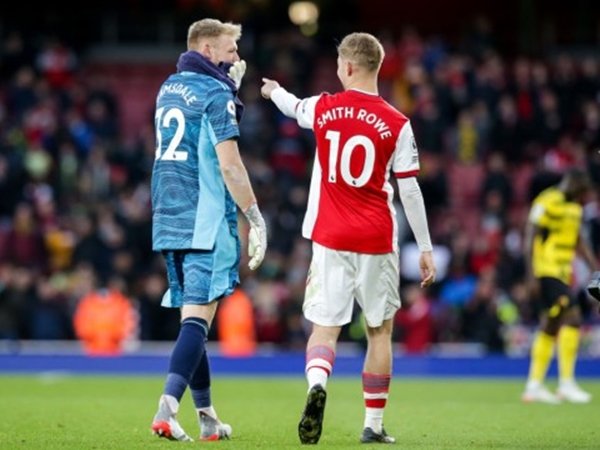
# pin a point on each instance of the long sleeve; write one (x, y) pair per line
(414, 208)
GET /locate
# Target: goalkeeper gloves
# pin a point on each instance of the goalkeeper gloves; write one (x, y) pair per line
(236, 72)
(257, 237)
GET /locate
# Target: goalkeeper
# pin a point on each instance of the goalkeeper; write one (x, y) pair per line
(198, 181)
(552, 239)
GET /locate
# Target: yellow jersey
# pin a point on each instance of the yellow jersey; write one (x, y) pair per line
(555, 245)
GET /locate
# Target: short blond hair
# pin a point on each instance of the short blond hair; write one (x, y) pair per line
(211, 28)
(363, 49)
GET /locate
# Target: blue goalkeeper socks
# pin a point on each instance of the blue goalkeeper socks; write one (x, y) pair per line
(200, 384)
(186, 356)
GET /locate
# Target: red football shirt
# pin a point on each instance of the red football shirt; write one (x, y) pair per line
(361, 139)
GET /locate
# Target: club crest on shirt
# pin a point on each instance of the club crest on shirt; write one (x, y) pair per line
(231, 107)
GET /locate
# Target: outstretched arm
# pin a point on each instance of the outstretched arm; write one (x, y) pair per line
(284, 100)
(290, 105)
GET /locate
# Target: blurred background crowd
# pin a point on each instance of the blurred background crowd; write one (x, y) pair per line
(500, 108)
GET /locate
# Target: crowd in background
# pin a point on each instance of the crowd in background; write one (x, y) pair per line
(492, 131)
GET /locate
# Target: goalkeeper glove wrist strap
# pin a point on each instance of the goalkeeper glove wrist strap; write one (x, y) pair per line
(253, 215)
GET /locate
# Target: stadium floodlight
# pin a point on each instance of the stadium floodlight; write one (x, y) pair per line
(303, 13)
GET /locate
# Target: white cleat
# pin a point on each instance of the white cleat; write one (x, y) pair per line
(571, 392)
(212, 429)
(539, 394)
(165, 422)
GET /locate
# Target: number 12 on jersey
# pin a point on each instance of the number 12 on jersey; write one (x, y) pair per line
(171, 153)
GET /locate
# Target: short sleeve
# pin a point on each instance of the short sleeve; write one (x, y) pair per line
(221, 116)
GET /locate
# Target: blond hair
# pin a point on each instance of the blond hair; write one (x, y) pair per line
(211, 28)
(363, 49)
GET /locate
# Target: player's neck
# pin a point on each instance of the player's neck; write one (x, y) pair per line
(369, 86)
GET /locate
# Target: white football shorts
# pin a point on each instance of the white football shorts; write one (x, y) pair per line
(336, 278)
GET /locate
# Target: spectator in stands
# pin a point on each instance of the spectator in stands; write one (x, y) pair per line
(104, 320)
(50, 316)
(480, 319)
(508, 134)
(434, 185)
(497, 179)
(13, 310)
(414, 321)
(236, 328)
(12, 181)
(25, 242)
(156, 322)
(57, 63)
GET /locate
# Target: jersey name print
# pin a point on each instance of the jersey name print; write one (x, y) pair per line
(349, 112)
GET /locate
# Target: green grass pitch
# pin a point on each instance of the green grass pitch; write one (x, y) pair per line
(106, 412)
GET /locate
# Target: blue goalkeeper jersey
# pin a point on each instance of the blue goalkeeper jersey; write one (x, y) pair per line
(190, 203)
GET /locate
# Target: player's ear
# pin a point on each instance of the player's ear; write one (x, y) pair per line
(349, 68)
(205, 49)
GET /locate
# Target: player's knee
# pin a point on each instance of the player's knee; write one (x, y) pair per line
(383, 331)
